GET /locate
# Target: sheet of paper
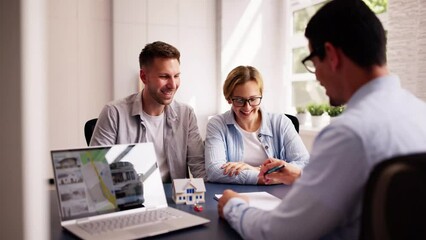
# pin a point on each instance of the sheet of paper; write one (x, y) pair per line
(262, 200)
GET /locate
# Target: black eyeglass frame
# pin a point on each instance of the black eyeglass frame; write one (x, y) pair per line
(246, 100)
(317, 51)
(308, 58)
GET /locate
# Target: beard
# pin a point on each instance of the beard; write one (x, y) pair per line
(160, 97)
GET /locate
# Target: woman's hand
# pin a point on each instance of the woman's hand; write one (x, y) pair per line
(234, 168)
(286, 175)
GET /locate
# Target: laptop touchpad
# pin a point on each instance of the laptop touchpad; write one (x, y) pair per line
(151, 230)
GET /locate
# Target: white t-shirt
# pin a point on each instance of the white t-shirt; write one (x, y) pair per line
(254, 154)
(154, 133)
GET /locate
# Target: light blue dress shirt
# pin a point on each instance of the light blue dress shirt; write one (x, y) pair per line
(224, 143)
(381, 121)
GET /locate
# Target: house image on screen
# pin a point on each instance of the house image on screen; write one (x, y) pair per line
(188, 190)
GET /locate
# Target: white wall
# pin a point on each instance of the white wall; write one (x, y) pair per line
(23, 125)
(93, 49)
(80, 67)
(252, 33)
(80, 79)
(11, 206)
(407, 44)
(190, 26)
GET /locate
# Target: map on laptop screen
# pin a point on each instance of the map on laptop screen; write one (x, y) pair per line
(100, 180)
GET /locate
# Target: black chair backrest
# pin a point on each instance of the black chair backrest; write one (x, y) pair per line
(394, 205)
(88, 129)
(294, 120)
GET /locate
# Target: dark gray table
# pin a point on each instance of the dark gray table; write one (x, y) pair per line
(216, 229)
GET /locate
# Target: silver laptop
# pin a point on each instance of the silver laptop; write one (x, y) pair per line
(115, 192)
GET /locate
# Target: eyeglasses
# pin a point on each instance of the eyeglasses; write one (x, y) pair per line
(307, 62)
(240, 102)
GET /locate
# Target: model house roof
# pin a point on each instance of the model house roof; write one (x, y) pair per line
(181, 185)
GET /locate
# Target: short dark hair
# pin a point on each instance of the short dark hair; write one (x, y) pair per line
(351, 26)
(157, 49)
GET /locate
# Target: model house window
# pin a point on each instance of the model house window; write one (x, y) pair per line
(305, 88)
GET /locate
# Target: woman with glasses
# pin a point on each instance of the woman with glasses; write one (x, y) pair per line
(242, 140)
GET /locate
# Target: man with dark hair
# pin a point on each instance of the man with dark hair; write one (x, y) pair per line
(348, 56)
(153, 116)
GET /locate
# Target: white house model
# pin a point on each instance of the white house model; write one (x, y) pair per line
(188, 190)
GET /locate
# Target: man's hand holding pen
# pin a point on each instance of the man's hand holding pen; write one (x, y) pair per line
(279, 172)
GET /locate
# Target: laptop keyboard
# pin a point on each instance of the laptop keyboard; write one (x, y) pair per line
(131, 220)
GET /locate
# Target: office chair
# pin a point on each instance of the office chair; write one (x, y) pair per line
(88, 129)
(294, 120)
(394, 204)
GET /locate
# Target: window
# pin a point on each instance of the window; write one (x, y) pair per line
(305, 88)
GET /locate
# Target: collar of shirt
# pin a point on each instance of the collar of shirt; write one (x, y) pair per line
(383, 83)
(169, 110)
(265, 126)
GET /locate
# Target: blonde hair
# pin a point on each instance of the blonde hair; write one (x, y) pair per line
(241, 75)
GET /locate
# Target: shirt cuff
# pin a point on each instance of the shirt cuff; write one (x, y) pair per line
(233, 211)
(252, 177)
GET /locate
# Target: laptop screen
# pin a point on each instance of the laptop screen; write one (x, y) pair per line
(99, 180)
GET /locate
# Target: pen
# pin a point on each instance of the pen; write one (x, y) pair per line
(275, 169)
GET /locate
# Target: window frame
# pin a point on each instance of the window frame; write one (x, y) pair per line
(298, 40)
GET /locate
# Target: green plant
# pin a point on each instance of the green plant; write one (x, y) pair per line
(334, 111)
(316, 109)
(300, 109)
